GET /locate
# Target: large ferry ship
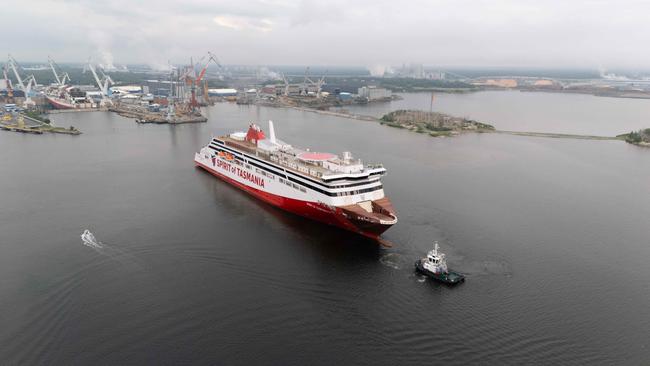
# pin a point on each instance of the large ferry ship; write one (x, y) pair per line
(335, 190)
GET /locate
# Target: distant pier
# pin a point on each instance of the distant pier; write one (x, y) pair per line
(557, 135)
(26, 124)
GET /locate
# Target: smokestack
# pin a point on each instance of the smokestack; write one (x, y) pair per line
(271, 132)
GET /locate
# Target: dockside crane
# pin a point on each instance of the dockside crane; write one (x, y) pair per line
(31, 81)
(60, 80)
(191, 80)
(317, 84)
(286, 85)
(10, 89)
(206, 92)
(103, 83)
(197, 82)
(186, 76)
(304, 88)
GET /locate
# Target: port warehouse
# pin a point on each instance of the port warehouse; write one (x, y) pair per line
(374, 93)
(161, 88)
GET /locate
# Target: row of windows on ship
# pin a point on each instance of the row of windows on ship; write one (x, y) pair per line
(338, 194)
(303, 189)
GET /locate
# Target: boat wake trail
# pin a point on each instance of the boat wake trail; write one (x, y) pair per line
(391, 260)
(89, 240)
(488, 267)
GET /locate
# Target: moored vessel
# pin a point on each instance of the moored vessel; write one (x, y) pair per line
(59, 103)
(67, 97)
(335, 190)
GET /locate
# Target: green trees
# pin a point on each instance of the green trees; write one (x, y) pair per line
(637, 137)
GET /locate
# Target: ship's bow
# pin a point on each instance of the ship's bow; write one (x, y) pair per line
(371, 218)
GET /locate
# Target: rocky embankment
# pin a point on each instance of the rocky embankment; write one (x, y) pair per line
(433, 123)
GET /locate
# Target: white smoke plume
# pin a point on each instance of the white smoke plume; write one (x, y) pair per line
(265, 73)
(102, 41)
(379, 70)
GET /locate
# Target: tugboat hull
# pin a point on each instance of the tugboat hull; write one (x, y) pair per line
(450, 278)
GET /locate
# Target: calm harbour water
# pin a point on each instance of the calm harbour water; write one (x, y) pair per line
(530, 112)
(552, 234)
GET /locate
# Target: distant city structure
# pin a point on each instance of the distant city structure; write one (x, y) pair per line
(437, 75)
(373, 93)
(415, 71)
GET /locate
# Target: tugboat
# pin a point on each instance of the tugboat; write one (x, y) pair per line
(435, 266)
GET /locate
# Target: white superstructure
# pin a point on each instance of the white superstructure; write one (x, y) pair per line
(300, 180)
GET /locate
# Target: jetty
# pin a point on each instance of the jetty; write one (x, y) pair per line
(27, 124)
(557, 135)
(142, 115)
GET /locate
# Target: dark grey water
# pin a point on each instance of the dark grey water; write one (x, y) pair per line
(530, 112)
(553, 235)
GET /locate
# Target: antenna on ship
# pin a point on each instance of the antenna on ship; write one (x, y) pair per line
(271, 132)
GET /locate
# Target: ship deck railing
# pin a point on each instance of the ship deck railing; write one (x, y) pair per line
(251, 148)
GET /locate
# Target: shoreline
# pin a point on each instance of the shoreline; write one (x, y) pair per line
(361, 117)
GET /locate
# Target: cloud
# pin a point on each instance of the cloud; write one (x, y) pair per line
(240, 23)
(576, 33)
(318, 12)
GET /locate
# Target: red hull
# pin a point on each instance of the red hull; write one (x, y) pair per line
(318, 212)
(59, 105)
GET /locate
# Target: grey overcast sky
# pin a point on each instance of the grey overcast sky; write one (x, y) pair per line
(542, 33)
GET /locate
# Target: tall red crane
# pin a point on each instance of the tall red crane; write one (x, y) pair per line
(197, 81)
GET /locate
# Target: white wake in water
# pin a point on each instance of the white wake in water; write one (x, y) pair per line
(89, 240)
(391, 260)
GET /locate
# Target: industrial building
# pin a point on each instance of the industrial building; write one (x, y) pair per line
(373, 93)
(224, 92)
